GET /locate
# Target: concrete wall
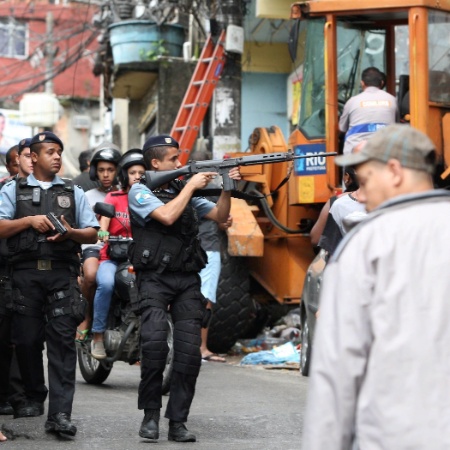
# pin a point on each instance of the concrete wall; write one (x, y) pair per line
(76, 140)
(172, 85)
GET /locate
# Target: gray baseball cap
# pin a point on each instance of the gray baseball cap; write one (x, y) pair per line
(410, 146)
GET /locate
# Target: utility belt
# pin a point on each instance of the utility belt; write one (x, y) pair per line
(43, 264)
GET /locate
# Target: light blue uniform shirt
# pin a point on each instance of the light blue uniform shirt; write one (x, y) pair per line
(84, 215)
(142, 202)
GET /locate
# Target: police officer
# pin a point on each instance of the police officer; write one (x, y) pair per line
(47, 304)
(12, 396)
(167, 257)
(369, 111)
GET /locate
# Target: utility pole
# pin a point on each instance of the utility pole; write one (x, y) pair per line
(226, 114)
(50, 53)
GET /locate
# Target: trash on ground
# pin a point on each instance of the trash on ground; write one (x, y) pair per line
(278, 355)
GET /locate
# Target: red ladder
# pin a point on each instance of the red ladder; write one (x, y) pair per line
(198, 95)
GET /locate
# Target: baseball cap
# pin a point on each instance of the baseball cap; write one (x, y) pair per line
(24, 143)
(408, 145)
(46, 136)
(163, 140)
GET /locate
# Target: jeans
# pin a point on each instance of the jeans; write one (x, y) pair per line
(103, 295)
(210, 276)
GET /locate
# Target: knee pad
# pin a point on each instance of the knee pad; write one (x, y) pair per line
(154, 328)
(186, 342)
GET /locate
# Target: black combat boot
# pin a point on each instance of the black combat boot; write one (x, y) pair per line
(61, 423)
(28, 408)
(150, 425)
(179, 433)
(6, 409)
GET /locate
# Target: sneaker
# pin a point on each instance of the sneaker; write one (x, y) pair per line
(98, 350)
(179, 433)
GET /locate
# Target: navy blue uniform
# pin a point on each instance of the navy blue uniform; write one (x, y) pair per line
(44, 290)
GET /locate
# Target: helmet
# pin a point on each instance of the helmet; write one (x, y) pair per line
(130, 158)
(106, 151)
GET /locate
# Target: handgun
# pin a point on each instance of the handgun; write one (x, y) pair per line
(59, 227)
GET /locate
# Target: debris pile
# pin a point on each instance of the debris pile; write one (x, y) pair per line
(276, 346)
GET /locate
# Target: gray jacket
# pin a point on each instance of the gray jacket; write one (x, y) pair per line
(381, 356)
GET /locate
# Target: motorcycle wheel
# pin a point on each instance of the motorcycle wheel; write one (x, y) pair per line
(167, 374)
(92, 370)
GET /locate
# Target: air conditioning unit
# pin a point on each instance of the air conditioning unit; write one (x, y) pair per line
(81, 122)
(40, 109)
(234, 41)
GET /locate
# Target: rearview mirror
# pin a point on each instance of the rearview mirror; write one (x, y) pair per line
(105, 209)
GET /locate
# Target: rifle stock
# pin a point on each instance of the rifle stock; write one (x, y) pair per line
(157, 178)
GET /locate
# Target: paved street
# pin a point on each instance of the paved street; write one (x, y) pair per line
(235, 408)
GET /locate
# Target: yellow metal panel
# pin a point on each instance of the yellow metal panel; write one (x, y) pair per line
(282, 270)
(446, 143)
(245, 238)
(345, 6)
(306, 189)
(271, 58)
(273, 9)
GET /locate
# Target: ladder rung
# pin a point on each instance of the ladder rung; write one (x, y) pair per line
(189, 105)
(198, 83)
(207, 60)
(180, 128)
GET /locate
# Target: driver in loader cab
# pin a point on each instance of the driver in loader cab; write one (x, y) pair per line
(369, 111)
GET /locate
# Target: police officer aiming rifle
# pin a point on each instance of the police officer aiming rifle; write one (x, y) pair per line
(167, 257)
(47, 303)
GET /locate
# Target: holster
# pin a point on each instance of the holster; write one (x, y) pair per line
(69, 302)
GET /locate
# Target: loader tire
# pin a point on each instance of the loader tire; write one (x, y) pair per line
(234, 311)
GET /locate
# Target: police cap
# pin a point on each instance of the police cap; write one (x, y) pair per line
(163, 140)
(24, 143)
(46, 136)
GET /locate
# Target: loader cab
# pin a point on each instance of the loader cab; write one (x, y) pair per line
(332, 42)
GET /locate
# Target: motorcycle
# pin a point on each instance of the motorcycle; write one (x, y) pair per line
(122, 336)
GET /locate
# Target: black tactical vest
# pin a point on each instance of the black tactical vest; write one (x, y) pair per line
(3, 246)
(29, 244)
(175, 248)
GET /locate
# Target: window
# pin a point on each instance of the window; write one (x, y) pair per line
(439, 56)
(12, 38)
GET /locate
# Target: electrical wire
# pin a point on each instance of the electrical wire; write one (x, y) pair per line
(68, 63)
(72, 28)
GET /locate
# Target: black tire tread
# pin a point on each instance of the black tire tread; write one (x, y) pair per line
(98, 376)
(234, 311)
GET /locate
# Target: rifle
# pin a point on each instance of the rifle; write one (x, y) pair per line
(157, 178)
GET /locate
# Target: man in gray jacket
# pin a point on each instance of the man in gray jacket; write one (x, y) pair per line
(381, 361)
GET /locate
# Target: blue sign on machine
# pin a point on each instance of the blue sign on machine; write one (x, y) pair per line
(315, 165)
